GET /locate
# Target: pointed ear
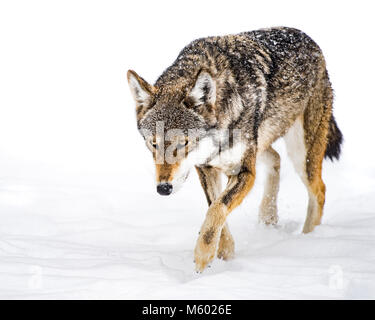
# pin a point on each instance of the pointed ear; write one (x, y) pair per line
(204, 90)
(142, 91)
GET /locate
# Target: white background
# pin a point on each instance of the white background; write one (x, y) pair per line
(79, 215)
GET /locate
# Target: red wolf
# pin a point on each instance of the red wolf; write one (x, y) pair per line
(221, 105)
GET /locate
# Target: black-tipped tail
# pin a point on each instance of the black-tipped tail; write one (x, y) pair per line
(335, 140)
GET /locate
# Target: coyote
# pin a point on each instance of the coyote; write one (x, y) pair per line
(263, 85)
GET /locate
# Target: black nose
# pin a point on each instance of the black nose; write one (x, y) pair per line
(165, 189)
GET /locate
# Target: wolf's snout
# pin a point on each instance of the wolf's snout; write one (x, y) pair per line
(165, 189)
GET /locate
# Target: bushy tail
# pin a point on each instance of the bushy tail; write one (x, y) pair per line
(335, 139)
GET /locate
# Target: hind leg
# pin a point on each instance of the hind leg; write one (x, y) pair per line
(268, 207)
(306, 150)
(316, 120)
(211, 183)
(316, 145)
(314, 182)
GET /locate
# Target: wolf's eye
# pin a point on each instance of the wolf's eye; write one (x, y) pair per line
(154, 145)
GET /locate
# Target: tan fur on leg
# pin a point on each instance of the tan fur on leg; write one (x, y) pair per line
(238, 187)
(226, 244)
(316, 202)
(316, 123)
(307, 156)
(211, 183)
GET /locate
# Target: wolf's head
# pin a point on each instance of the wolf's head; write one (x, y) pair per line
(174, 119)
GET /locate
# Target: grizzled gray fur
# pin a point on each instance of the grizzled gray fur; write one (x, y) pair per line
(268, 84)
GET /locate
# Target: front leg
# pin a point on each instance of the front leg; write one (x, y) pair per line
(237, 188)
(210, 179)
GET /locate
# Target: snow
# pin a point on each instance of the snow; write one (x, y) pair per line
(102, 238)
(79, 213)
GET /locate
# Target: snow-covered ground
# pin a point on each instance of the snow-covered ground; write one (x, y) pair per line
(106, 237)
(79, 213)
